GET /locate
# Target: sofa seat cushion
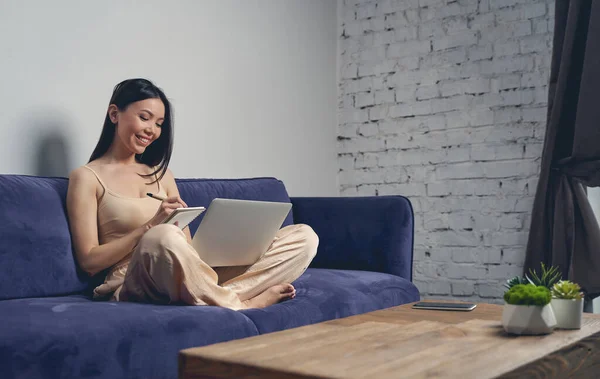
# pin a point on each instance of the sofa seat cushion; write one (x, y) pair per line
(74, 337)
(326, 294)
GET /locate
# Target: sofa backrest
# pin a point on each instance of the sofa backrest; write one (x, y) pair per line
(36, 255)
(35, 244)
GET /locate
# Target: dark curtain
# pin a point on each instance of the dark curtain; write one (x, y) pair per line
(564, 231)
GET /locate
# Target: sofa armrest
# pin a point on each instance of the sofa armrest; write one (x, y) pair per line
(360, 233)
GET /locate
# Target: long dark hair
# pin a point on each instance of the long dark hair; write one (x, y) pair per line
(158, 154)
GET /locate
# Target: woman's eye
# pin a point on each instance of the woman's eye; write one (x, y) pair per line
(159, 125)
(143, 118)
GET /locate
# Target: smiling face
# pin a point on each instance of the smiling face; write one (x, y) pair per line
(139, 124)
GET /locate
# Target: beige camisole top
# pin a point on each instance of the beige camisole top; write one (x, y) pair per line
(119, 215)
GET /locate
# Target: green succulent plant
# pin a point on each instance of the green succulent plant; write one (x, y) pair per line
(528, 294)
(548, 278)
(566, 289)
(514, 281)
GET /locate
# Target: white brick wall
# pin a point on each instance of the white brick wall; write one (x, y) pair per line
(444, 101)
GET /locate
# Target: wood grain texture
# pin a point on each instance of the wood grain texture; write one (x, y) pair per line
(402, 342)
(579, 360)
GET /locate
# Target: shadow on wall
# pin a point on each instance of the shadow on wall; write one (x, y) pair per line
(52, 155)
(50, 144)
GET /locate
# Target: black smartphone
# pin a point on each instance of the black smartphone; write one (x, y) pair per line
(445, 306)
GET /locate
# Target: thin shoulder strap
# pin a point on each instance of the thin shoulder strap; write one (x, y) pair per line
(97, 177)
(157, 181)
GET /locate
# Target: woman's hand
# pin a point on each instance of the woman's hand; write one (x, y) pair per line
(167, 206)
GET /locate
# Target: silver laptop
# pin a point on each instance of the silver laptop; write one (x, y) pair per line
(238, 232)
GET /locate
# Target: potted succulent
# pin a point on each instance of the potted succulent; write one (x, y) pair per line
(527, 310)
(510, 283)
(567, 304)
(548, 278)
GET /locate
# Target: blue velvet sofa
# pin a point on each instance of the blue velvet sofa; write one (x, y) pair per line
(50, 327)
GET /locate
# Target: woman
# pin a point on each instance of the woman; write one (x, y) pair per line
(115, 226)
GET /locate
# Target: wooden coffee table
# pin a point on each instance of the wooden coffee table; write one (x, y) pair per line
(402, 342)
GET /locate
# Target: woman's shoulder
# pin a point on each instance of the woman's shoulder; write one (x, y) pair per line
(168, 181)
(82, 172)
(90, 167)
(169, 174)
(89, 173)
(83, 180)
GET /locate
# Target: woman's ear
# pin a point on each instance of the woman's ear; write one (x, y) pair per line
(113, 113)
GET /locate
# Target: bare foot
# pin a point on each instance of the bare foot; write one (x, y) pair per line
(272, 295)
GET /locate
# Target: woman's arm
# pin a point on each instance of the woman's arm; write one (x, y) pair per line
(168, 182)
(82, 208)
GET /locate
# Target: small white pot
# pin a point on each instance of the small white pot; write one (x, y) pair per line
(568, 313)
(528, 319)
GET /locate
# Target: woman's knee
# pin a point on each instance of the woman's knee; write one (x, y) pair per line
(161, 238)
(310, 241)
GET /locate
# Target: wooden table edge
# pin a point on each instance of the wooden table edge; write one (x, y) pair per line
(574, 348)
